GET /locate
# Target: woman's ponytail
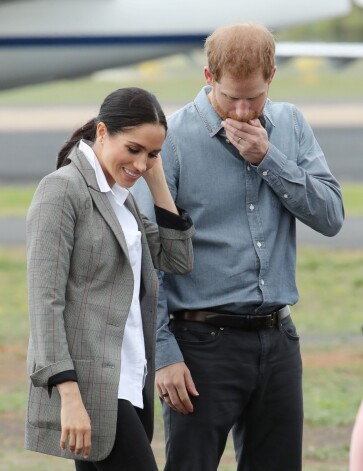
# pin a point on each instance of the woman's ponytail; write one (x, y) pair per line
(87, 131)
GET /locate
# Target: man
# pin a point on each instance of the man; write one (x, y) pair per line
(244, 168)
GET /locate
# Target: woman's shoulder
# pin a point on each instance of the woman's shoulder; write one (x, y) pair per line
(65, 177)
(64, 186)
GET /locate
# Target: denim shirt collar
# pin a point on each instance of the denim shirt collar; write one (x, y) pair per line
(267, 114)
(210, 117)
(207, 113)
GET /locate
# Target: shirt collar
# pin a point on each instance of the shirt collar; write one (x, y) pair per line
(211, 118)
(117, 190)
(206, 111)
(266, 112)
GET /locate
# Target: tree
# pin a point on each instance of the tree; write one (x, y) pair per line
(346, 29)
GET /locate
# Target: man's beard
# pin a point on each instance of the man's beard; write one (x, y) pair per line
(230, 114)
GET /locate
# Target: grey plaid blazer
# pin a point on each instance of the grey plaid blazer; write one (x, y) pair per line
(80, 286)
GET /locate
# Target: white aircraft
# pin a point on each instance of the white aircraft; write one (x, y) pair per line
(338, 53)
(42, 40)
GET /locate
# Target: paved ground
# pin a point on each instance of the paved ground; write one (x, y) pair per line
(41, 118)
(12, 232)
(31, 136)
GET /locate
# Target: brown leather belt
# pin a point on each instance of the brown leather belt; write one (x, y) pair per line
(239, 321)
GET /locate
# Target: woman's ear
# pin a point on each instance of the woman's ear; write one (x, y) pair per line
(101, 131)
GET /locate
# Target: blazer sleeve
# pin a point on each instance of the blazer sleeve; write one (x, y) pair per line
(171, 249)
(50, 232)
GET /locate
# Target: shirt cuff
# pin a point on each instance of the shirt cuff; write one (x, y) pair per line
(69, 375)
(62, 377)
(169, 220)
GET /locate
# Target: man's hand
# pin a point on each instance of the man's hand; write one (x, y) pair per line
(250, 139)
(75, 421)
(175, 384)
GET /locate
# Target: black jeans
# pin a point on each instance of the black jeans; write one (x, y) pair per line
(249, 381)
(131, 451)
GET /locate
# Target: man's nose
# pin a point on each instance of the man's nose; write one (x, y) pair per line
(242, 108)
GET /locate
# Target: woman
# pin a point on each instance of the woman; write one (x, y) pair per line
(356, 443)
(93, 288)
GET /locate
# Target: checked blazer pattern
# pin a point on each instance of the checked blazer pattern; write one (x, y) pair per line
(80, 286)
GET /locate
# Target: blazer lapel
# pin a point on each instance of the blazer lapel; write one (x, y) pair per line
(131, 206)
(100, 199)
(148, 274)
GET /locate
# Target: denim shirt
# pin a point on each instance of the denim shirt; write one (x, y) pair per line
(244, 215)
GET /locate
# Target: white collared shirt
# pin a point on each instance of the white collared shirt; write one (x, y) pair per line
(133, 362)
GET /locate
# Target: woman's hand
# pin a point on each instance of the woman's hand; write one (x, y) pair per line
(155, 173)
(75, 421)
(156, 181)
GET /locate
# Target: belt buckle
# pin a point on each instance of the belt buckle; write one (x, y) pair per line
(272, 320)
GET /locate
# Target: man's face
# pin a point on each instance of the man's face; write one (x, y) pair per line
(239, 99)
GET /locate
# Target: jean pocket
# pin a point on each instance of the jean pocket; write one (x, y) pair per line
(194, 332)
(288, 328)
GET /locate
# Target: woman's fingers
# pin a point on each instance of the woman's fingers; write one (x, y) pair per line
(72, 442)
(79, 441)
(75, 421)
(87, 443)
(64, 438)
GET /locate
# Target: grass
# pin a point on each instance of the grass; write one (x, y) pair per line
(334, 281)
(15, 200)
(328, 315)
(13, 295)
(353, 199)
(331, 288)
(177, 79)
(332, 394)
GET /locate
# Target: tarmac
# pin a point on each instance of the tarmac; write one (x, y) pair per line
(12, 233)
(36, 122)
(43, 118)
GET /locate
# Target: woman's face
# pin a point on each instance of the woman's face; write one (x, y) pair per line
(127, 155)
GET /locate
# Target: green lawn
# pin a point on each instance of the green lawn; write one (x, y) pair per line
(177, 79)
(329, 312)
(14, 201)
(328, 315)
(353, 199)
(331, 292)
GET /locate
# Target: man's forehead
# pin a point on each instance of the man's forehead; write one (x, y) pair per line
(236, 80)
(240, 86)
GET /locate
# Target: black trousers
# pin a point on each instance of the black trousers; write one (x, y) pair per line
(131, 451)
(249, 381)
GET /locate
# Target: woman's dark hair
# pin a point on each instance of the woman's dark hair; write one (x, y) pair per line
(122, 109)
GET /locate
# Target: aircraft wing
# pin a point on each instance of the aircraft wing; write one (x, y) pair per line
(337, 52)
(42, 40)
